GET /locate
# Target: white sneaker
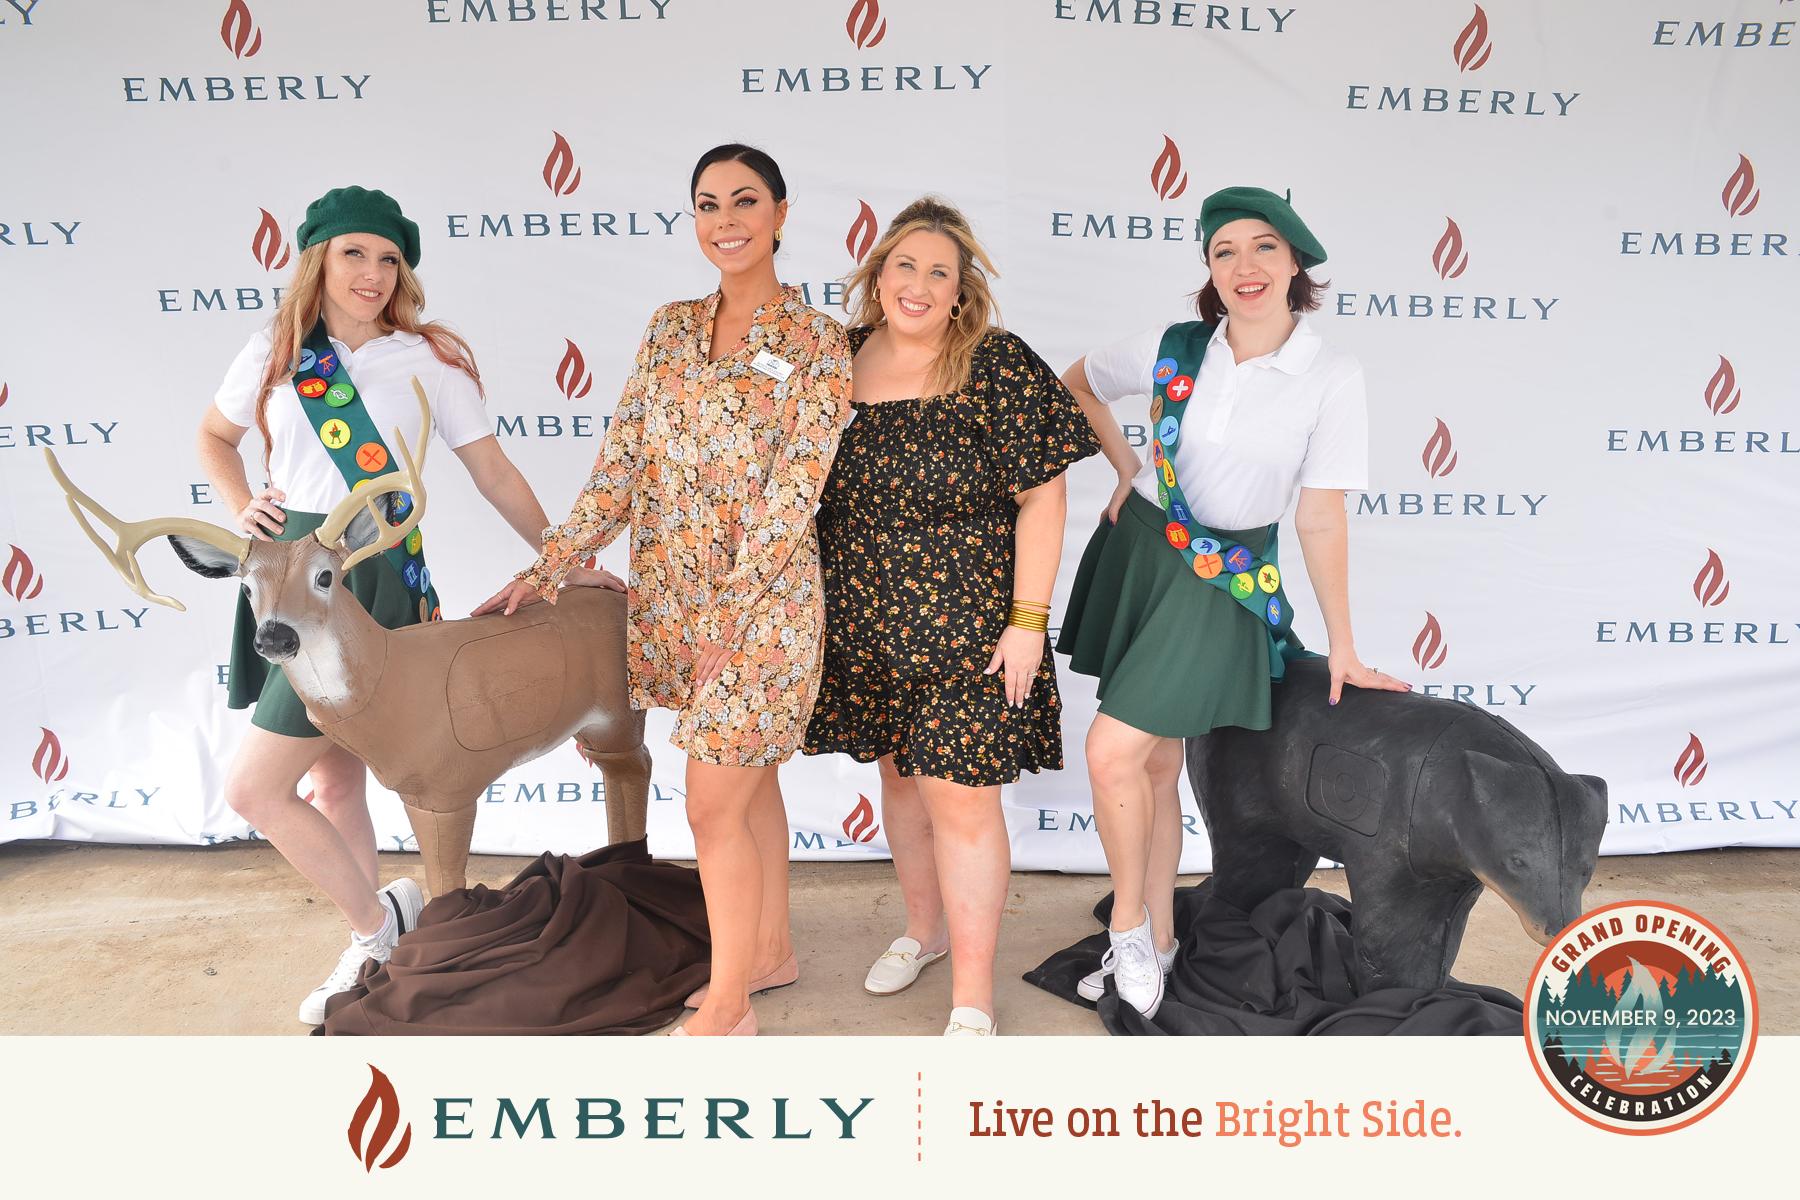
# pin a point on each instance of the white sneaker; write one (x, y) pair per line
(898, 966)
(970, 1022)
(403, 900)
(1094, 983)
(1135, 970)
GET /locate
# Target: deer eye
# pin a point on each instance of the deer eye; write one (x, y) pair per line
(322, 580)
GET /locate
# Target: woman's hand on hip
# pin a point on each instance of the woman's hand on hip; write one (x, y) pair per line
(1347, 668)
(509, 599)
(1120, 494)
(263, 513)
(1018, 655)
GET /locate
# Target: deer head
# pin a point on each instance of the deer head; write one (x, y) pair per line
(293, 586)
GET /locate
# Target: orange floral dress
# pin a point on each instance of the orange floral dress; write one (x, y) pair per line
(717, 467)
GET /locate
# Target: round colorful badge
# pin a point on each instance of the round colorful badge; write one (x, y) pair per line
(1180, 388)
(339, 394)
(1274, 611)
(1168, 431)
(424, 579)
(1168, 473)
(410, 573)
(1268, 578)
(335, 434)
(414, 540)
(1242, 586)
(307, 359)
(399, 504)
(312, 389)
(1178, 537)
(326, 366)
(1206, 566)
(1206, 546)
(1640, 1017)
(1164, 370)
(371, 457)
(1238, 558)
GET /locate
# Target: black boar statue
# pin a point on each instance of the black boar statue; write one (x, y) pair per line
(1423, 800)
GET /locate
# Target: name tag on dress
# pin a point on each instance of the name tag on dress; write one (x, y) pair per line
(775, 368)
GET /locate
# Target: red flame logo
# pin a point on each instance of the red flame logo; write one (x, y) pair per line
(561, 175)
(1740, 193)
(1472, 47)
(1690, 768)
(1722, 391)
(48, 764)
(1710, 585)
(861, 238)
(1166, 176)
(1439, 455)
(861, 24)
(3, 393)
(267, 246)
(860, 825)
(1448, 258)
(21, 580)
(239, 32)
(1429, 648)
(572, 375)
(380, 1096)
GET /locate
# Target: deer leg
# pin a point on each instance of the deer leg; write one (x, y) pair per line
(444, 827)
(627, 775)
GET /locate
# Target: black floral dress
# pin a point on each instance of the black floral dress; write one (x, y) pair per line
(916, 541)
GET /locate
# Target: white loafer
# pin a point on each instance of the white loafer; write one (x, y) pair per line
(898, 966)
(970, 1022)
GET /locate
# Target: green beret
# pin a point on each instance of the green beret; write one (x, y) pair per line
(359, 210)
(1259, 204)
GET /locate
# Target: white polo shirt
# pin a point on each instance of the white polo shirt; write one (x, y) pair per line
(382, 371)
(1254, 430)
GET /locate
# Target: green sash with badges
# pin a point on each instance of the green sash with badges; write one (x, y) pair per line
(1253, 582)
(336, 412)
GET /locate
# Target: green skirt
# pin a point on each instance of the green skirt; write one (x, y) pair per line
(1175, 655)
(254, 680)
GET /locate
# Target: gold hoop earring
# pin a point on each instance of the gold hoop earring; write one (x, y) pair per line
(955, 310)
(778, 236)
(875, 292)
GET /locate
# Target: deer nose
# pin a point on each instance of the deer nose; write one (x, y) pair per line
(276, 640)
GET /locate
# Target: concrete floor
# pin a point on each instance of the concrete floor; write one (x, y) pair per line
(227, 939)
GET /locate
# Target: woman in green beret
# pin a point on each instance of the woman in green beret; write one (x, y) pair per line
(1178, 606)
(339, 356)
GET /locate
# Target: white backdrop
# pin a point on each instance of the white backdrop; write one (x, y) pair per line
(1564, 242)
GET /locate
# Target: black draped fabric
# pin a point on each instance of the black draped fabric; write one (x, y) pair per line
(1285, 968)
(610, 942)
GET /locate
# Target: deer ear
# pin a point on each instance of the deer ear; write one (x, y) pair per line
(204, 559)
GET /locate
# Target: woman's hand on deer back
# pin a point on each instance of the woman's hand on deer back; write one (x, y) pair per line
(509, 599)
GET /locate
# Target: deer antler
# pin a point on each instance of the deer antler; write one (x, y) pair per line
(411, 480)
(133, 534)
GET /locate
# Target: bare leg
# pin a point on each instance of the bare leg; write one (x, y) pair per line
(1165, 766)
(907, 820)
(340, 785)
(260, 788)
(974, 865)
(719, 800)
(769, 826)
(1118, 759)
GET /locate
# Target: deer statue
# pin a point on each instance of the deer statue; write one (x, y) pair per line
(437, 710)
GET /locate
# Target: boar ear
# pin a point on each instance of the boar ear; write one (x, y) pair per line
(1594, 782)
(1504, 783)
(203, 558)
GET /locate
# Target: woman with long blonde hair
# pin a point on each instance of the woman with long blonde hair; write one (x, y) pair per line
(940, 531)
(335, 363)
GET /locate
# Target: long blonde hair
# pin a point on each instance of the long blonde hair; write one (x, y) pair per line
(304, 301)
(976, 317)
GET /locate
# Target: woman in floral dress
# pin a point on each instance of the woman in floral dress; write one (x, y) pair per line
(941, 530)
(716, 457)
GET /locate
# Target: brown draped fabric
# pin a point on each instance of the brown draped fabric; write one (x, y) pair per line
(610, 942)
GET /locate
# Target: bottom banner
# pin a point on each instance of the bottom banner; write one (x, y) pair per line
(818, 1117)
